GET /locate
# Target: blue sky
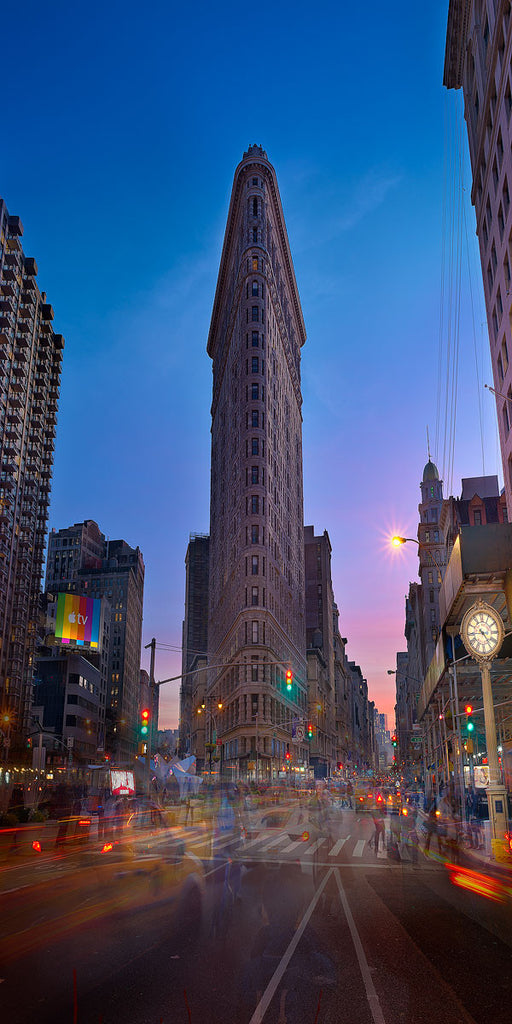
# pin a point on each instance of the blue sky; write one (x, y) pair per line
(123, 124)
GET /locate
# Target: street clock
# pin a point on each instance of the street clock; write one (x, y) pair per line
(482, 631)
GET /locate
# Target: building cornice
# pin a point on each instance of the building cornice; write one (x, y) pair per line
(456, 38)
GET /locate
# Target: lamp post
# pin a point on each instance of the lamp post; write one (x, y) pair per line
(398, 541)
(207, 708)
(6, 733)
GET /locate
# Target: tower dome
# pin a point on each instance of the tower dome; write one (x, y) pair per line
(430, 472)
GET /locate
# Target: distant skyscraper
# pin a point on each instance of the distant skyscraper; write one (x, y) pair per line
(195, 630)
(81, 561)
(478, 58)
(320, 624)
(30, 361)
(256, 591)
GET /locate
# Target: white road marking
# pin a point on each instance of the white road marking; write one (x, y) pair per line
(294, 845)
(337, 847)
(271, 988)
(371, 994)
(316, 846)
(275, 841)
(358, 848)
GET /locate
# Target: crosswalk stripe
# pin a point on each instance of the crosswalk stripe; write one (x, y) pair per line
(275, 841)
(337, 847)
(316, 846)
(358, 848)
(293, 846)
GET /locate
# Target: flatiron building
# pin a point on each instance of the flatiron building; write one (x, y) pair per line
(256, 623)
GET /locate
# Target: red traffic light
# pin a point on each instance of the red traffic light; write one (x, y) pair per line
(289, 677)
(468, 708)
(144, 721)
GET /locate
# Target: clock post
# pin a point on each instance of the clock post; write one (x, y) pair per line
(482, 633)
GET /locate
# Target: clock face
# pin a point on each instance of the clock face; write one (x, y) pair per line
(483, 634)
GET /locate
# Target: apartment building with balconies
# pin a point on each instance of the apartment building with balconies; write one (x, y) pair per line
(30, 369)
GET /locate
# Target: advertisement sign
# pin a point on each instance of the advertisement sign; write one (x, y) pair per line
(78, 620)
(122, 782)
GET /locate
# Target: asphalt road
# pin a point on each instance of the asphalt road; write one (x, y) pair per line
(344, 936)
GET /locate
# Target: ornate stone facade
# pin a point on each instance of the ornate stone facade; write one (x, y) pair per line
(256, 627)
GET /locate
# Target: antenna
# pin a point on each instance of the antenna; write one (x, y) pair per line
(428, 445)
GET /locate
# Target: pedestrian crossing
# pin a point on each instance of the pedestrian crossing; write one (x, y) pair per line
(199, 840)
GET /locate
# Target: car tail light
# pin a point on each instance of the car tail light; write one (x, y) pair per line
(84, 822)
(107, 848)
(36, 846)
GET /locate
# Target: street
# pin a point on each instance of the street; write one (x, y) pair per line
(345, 936)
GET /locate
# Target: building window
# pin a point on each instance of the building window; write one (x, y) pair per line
(255, 393)
(495, 174)
(255, 315)
(255, 562)
(255, 288)
(255, 632)
(427, 536)
(255, 364)
(255, 234)
(254, 596)
(506, 421)
(255, 534)
(255, 207)
(504, 356)
(255, 503)
(432, 615)
(255, 263)
(254, 672)
(255, 447)
(254, 418)
(255, 339)
(431, 596)
(254, 474)
(508, 99)
(430, 577)
(477, 517)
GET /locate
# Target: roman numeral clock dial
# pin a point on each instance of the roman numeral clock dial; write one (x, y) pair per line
(482, 631)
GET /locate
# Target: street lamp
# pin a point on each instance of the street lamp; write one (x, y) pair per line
(398, 541)
(207, 708)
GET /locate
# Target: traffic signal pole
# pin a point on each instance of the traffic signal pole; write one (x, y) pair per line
(147, 760)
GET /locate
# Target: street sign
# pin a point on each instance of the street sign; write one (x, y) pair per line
(299, 734)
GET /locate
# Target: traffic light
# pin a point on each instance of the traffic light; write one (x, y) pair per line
(289, 678)
(144, 722)
(310, 730)
(470, 725)
(394, 740)
(288, 756)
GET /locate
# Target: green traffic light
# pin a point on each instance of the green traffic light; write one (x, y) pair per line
(471, 725)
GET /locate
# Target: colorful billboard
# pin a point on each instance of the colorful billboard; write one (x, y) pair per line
(78, 620)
